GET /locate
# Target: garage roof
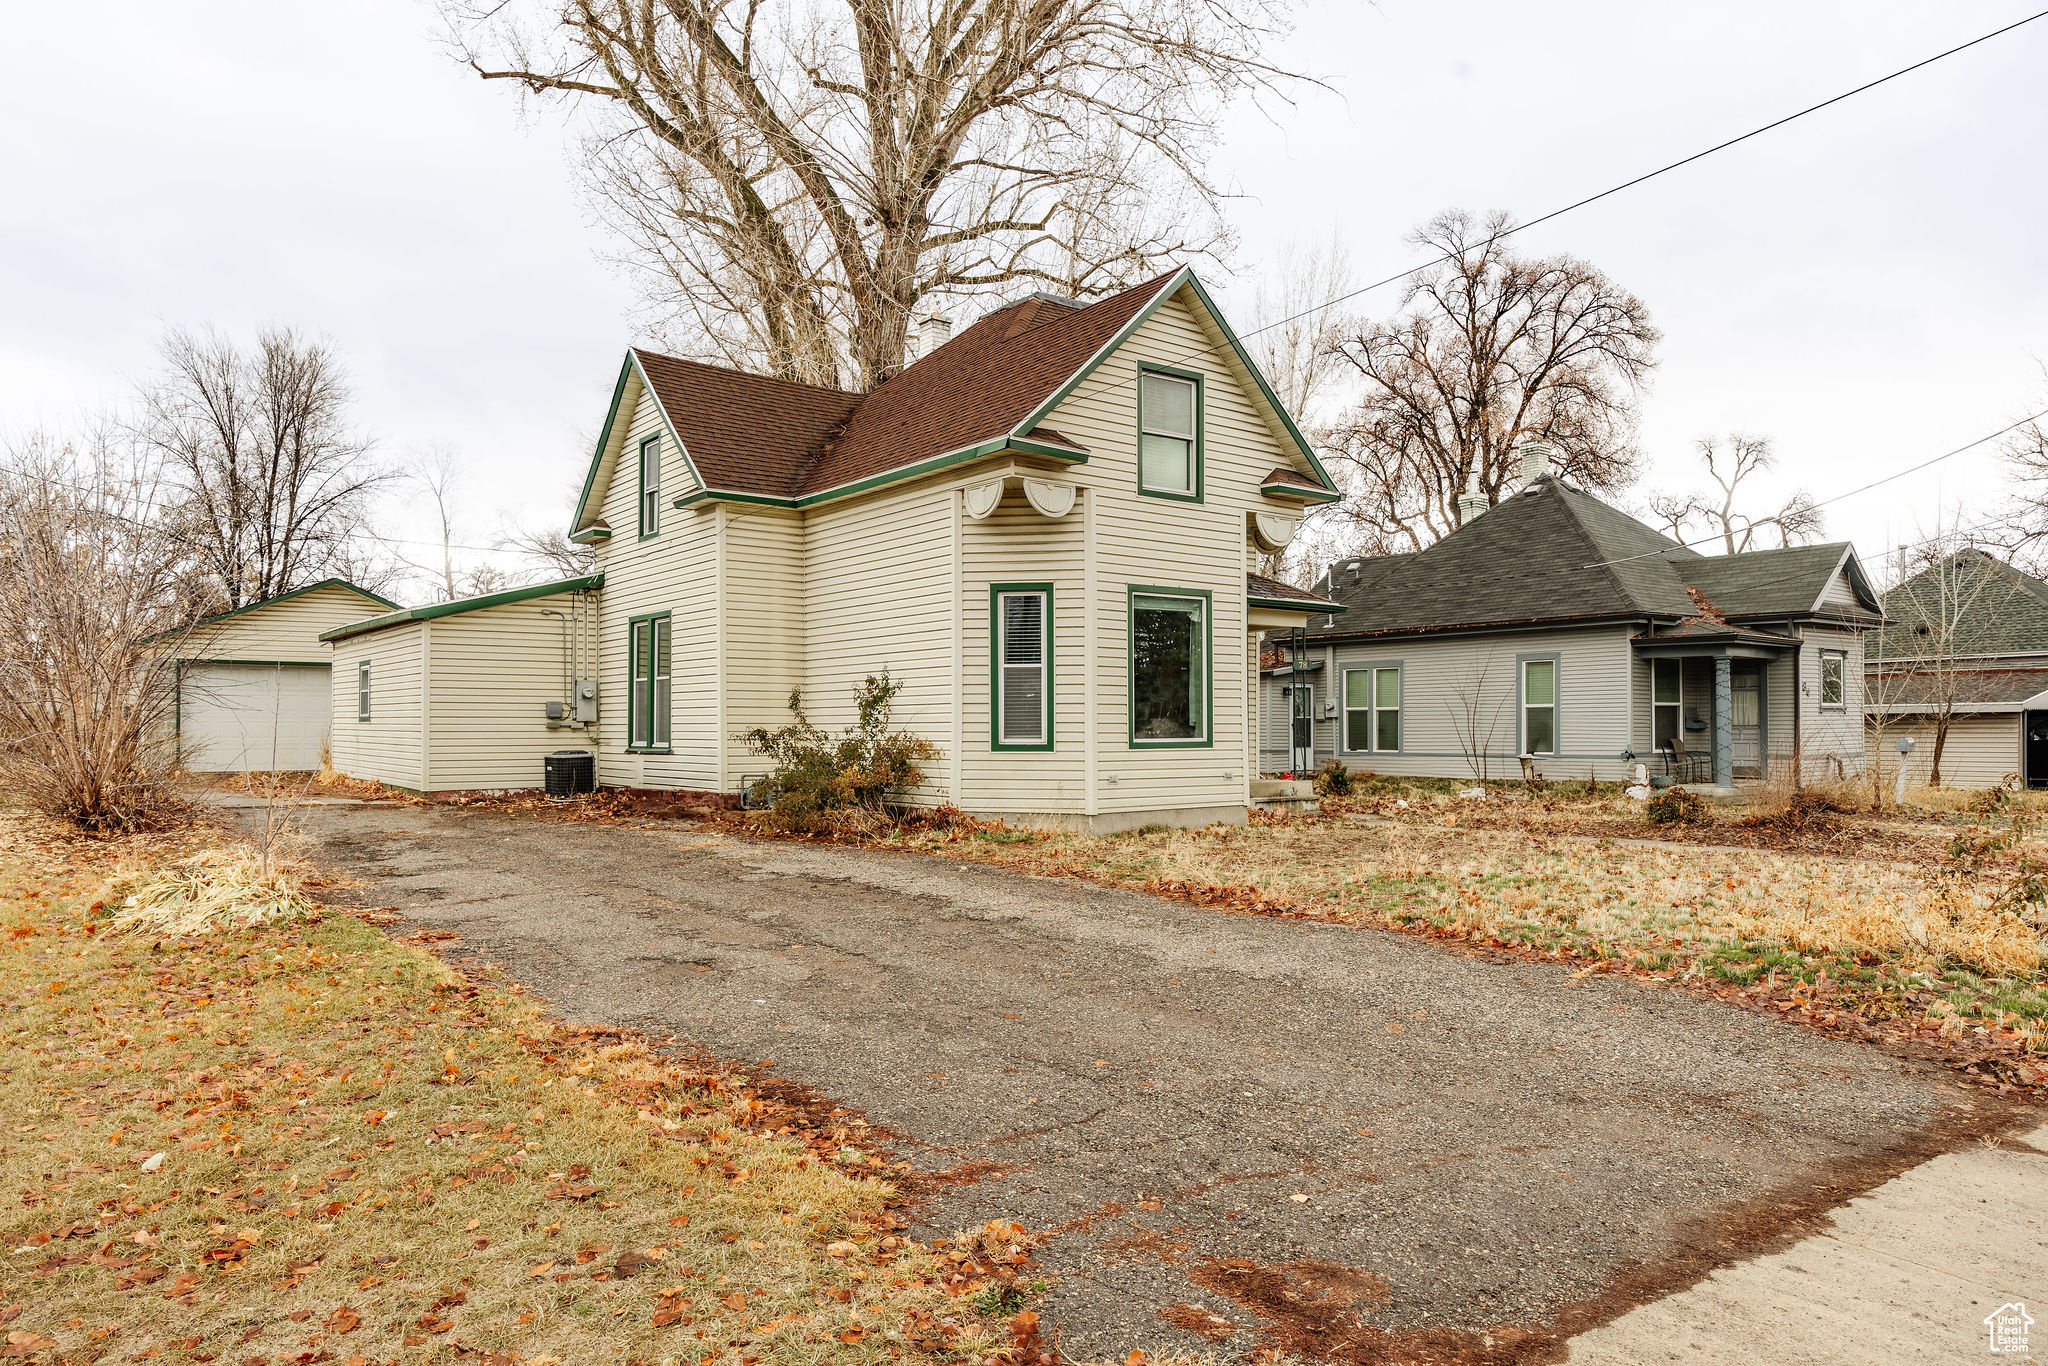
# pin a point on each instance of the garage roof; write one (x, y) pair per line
(448, 609)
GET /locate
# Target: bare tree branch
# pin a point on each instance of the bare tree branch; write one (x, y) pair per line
(796, 181)
(1733, 462)
(1493, 350)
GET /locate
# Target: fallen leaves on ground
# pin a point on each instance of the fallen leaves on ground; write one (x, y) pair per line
(280, 1139)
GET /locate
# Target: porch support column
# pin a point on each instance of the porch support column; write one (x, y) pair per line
(1724, 724)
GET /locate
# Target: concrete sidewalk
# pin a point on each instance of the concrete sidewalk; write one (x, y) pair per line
(1906, 1274)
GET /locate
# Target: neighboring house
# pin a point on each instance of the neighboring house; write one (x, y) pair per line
(1961, 667)
(253, 683)
(1042, 529)
(455, 697)
(1556, 628)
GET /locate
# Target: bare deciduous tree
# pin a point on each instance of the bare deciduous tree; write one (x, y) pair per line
(435, 474)
(801, 179)
(87, 590)
(548, 552)
(266, 481)
(1731, 462)
(2024, 532)
(1288, 339)
(1943, 615)
(1494, 349)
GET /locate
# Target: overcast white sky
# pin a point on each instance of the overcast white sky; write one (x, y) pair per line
(1864, 287)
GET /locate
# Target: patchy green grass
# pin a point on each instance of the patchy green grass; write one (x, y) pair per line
(308, 1141)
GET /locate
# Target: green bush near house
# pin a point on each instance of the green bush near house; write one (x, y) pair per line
(844, 785)
(1333, 779)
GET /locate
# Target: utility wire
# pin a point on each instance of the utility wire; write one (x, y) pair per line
(1850, 493)
(1612, 190)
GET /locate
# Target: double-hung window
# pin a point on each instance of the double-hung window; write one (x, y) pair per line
(650, 486)
(1539, 706)
(1020, 619)
(1834, 679)
(1667, 697)
(1169, 667)
(1372, 709)
(1169, 434)
(647, 726)
(363, 691)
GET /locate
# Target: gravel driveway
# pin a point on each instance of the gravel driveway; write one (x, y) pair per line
(1359, 1144)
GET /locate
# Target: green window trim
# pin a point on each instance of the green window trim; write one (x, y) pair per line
(362, 690)
(1840, 659)
(1524, 705)
(650, 492)
(999, 670)
(649, 661)
(1192, 494)
(1132, 593)
(1381, 706)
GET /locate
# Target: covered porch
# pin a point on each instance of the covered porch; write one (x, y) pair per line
(1710, 702)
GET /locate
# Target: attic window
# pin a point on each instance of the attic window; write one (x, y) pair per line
(650, 486)
(1170, 434)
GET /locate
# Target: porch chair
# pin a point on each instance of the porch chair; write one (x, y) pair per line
(1683, 767)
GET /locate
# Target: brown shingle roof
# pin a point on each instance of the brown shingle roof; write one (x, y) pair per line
(1258, 588)
(1283, 475)
(745, 433)
(775, 438)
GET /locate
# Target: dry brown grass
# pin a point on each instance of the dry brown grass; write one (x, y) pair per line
(366, 1154)
(1897, 935)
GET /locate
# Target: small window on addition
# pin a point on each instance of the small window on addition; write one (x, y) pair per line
(1834, 679)
(1023, 666)
(1539, 706)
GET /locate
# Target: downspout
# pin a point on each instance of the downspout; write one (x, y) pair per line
(1798, 706)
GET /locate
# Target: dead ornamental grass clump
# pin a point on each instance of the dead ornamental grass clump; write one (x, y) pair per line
(210, 892)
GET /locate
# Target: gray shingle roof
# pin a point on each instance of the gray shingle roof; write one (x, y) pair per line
(1548, 553)
(1551, 554)
(1766, 583)
(1994, 609)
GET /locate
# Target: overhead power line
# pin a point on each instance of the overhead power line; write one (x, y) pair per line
(1846, 493)
(1613, 190)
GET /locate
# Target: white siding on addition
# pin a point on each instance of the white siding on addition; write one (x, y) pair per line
(386, 748)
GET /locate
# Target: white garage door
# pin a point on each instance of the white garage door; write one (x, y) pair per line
(233, 717)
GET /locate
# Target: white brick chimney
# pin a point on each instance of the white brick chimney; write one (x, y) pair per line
(1471, 502)
(1535, 461)
(934, 330)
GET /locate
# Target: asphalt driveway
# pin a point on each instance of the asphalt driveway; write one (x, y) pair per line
(1358, 1143)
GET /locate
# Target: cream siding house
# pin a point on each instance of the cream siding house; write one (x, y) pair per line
(253, 683)
(1554, 630)
(467, 695)
(1041, 529)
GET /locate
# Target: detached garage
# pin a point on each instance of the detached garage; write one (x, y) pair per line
(253, 684)
(470, 695)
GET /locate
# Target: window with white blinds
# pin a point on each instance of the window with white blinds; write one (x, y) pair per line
(1021, 626)
(650, 486)
(1169, 435)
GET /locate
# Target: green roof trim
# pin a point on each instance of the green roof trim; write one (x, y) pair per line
(1307, 495)
(297, 593)
(1184, 276)
(631, 366)
(1317, 608)
(449, 609)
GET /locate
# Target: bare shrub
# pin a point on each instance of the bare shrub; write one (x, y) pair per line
(87, 592)
(1677, 806)
(844, 786)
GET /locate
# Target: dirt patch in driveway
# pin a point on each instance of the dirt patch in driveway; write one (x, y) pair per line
(1505, 1146)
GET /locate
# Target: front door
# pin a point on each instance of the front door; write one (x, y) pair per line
(1303, 697)
(2037, 749)
(1746, 723)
